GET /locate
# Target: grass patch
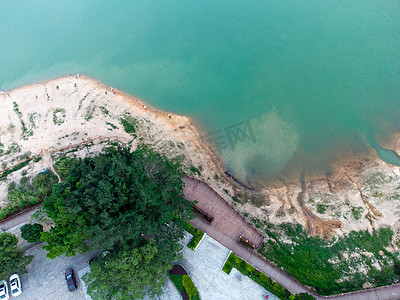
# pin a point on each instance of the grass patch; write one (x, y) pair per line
(37, 159)
(321, 208)
(324, 265)
(198, 235)
(25, 197)
(16, 168)
(185, 225)
(104, 111)
(13, 148)
(129, 124)
(90, 111)
(25, 131)
(112, 126)
(81, 101)
(184, 282)
(195, 170)
(248, 270)
(34, 119)
(356, 212)
(59, 116)
(63, 165)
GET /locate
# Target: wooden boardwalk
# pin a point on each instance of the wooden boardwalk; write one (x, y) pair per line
(226, 219)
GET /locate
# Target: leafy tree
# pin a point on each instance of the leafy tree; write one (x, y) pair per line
(396, 267)
(31, 232)
(125, 274)
(12, 260)
(125, 202)
(112, 198)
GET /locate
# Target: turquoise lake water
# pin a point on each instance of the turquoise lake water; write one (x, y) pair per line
(279, 86)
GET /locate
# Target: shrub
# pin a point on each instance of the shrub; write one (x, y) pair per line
(308, 259)
(129, 124)
(31, 232)
(184, 282)
(246, 269)
(28, 196)
(16, 168)
(198, 235)
(189, 286)
(63, 165)
(18, 200)
(195, 170)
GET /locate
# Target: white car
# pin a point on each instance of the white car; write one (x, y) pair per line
(4, 295)
(15, 285)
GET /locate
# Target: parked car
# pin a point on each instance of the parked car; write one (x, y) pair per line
(71, 280)
(4, 295)
(15, 285)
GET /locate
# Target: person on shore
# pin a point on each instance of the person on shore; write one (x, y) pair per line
(169, 115)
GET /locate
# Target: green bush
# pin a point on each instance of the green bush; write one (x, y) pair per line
(195, 170)
(129, 124)
(184, 225)
(189, 287)
(18, 200)
(16, 168)
(31, 232)
(184, 282)
(246, 269)
(177, 280)
(25, 197)
(43, 183)
(308, 259)
(198, 235)
(63, 165)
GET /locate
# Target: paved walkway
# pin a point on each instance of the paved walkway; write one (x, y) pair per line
(226, 219)
(21, 218)
(227, 226)
(223, 232)
(204, 266)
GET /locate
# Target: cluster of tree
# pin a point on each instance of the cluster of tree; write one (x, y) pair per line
(124, 202)
(31, 232)
(12, 260)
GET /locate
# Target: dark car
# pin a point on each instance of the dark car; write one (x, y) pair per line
(71, 280)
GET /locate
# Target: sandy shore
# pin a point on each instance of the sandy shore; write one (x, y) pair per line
(69, 113)
(66, 113)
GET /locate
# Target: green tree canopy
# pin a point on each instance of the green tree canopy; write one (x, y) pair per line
(31, 232)
(12, 260)
(114, 197)
(127, 273)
